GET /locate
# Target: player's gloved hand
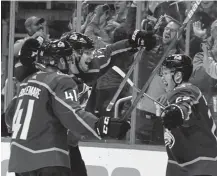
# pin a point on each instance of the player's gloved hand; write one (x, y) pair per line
(29, 51)
(172, 116)
(143, 38)
(107, 126)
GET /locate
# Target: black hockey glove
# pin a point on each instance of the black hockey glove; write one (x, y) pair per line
(29, 52)
(107, 126)
(172, 116)
(143, 38)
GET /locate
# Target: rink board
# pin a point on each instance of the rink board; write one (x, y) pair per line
(112, 159)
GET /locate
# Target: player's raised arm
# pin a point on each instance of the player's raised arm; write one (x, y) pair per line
(137, 39)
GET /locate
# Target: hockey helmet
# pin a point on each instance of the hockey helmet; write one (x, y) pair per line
(77, 40)
(52, 51)
(179, 62)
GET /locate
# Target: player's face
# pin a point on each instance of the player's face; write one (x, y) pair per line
(34, 28)
(170, 32)
(85, 60)
(167, 78)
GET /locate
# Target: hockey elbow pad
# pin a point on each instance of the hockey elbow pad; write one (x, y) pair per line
(172, 116)
(110, 127)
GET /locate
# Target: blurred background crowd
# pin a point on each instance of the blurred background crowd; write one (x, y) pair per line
(107, 22)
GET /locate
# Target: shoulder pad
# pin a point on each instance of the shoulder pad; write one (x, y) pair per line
(185, 90)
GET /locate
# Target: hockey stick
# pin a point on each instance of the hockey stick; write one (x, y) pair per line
(120, 88)
(172, 44)
(122, 74)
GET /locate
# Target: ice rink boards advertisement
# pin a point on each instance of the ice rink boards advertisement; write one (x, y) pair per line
(113, 160)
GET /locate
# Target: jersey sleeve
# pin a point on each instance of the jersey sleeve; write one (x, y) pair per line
(186, 99)
(67, 108)
(102, 56)
(117, 47)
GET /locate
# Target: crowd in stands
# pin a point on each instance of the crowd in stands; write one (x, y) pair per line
(109, 23)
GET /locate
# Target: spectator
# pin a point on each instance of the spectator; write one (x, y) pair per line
(210, 57)
(201, 30)
(209, 7)
(72, 24)
(121, 9)
(88, 19)
(171, 8)
(35, 28)
(200, 78)
(209, 63)
(130, 22)
(95, 29)
(87, 13)
(146, 118)
(73, 21)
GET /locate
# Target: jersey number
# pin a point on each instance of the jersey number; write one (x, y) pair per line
(71, 95)
(17, 118)
(105, 126)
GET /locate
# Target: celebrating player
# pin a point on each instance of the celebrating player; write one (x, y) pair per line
(89, 64)
(190, 131)
(45, 108)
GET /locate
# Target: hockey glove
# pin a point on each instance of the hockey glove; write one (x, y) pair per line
(143, 38)
(29, 52)
(107, 126)
(172, 116)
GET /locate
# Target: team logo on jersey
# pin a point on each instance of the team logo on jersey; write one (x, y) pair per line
(73, 37)
(82, 40)
(177, 57)
(34, 53)
(169, 139)
(184, 98)
(61, 44)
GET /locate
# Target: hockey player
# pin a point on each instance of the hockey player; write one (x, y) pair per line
(83, 64)
(45, 108)
(90, 64)
(190, 131)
